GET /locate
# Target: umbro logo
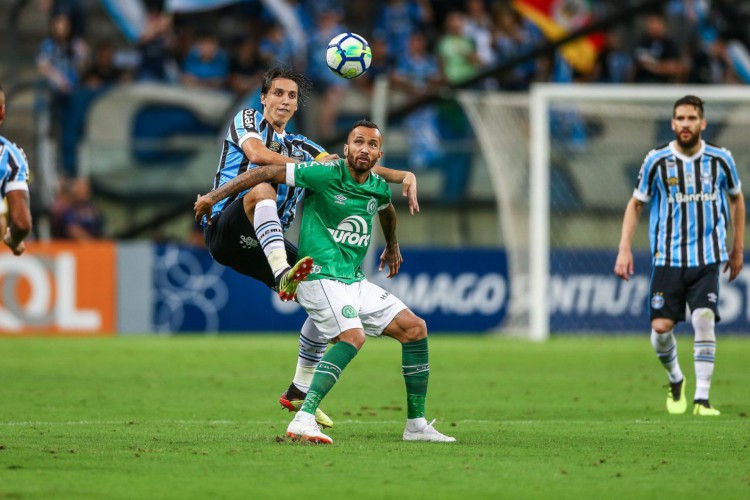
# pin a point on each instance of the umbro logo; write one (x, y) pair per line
(340, 199)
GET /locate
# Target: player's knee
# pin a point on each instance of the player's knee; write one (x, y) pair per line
(259, 193)
(355, 337)
(416, 329)
(662, 325)
(703, 320)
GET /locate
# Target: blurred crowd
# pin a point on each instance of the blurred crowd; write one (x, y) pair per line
(419, 45)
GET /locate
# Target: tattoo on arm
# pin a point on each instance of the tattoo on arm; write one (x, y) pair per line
(388, 224)
(247, 180)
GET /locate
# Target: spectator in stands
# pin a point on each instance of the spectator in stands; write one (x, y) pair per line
(382, 63)
(398, 19)
(60, 61)
(73, 10)
(657, 56)
(246, 67)
(81, 219)
(514, 37)
(102, 70)
(458, 55)
(157, 61)
(479, 28)
(418, 73)
(206, 64)
(330, 86)
(276, 47)
(709, 62)
(614, 64)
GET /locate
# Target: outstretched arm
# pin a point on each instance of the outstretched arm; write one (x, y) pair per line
(392, 254)
(269, 173)
(624, 264)
(408, 181)
(737, 211)
(20, 221)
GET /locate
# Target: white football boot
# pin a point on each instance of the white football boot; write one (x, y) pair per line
(421, 430)
(303, 426)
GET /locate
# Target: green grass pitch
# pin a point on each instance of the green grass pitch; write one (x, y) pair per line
(197, 417)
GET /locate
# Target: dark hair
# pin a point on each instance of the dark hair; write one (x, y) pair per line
(690, 100)
(303, 84)
(363, 123)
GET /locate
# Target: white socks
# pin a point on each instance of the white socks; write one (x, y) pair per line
(704, 350)
(312, 346)
(415, 424)
(271, 237)
(665, 346)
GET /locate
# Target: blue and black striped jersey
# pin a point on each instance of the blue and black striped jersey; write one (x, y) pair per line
(249, 123)
(689, 208)
(14, 168)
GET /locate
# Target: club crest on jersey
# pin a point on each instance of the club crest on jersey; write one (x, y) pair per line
(275, 147)
(352, 231)
(657, 300)
(673, 181)
(349, 312)
(372, 206)
(706, 177)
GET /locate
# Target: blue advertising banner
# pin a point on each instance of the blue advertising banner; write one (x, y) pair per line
(453, 290)
(195, 294)
(586, 296)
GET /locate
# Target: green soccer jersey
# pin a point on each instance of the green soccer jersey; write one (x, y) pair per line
(337, 219)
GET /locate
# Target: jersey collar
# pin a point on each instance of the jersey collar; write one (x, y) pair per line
(698, 154)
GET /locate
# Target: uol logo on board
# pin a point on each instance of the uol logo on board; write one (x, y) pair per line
(352, 231)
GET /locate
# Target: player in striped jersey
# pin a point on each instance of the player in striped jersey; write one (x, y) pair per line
(693, 188)
(14, 175)
(244, 230)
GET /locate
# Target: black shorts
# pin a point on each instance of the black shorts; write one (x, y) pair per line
(674, 287)
(232, 242)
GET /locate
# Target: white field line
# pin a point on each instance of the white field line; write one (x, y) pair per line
(338, 421)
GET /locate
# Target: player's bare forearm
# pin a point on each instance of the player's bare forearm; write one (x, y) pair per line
(736, 254)
(408, 181)
(20, 216)
(630, 222)
(249, 179)
(624, 264)
(269, 173)
(392, 253)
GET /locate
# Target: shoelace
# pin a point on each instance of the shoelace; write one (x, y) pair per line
(430, 427)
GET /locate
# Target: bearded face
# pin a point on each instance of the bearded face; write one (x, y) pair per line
(687, 125)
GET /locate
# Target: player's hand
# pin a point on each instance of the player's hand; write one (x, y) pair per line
(734, 264)
(624, 265)
(8, 240)
(391, 256)
(328, 158)
(409, 189)
(203, 206)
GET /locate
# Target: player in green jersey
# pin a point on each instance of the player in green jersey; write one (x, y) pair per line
(342, 198)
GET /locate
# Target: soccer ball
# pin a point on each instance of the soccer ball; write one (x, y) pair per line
(348, 55)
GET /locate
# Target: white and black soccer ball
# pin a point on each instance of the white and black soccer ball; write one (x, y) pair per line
(348, 55)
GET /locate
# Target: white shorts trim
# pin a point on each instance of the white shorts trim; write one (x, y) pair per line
(336, 307)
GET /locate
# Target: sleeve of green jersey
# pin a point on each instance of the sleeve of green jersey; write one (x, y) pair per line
(385, 197)
(313, 175)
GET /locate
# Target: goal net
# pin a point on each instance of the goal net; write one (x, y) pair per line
(563, 161)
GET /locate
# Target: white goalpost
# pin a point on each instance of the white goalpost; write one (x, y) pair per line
(563, 160)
